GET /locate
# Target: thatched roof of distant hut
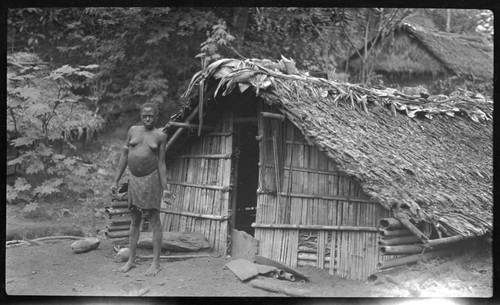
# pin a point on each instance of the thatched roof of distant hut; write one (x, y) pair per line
(427, 159)
(416, 49)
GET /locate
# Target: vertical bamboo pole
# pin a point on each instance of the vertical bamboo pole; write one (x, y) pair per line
(227, 178)
(321, 248)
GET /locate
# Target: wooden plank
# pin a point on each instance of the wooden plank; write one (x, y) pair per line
(244, 269)
(243, 245)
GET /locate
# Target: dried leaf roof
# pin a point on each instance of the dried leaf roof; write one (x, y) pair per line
(427, 159)
(435, 52)
(468, 55)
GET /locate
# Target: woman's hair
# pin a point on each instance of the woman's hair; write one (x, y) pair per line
(150, 105)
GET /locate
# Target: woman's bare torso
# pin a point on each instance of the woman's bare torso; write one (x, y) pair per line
(143, 151)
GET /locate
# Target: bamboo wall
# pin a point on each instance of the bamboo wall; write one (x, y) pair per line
(309, 213)
(200, 177)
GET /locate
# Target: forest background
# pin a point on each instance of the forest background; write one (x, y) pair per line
(100, 63)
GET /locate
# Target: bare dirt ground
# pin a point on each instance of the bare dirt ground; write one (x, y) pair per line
(50, 268)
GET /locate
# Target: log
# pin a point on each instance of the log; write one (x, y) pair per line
(179, 131)
(447, 240)
(119, 204)
(113, 211)
(391, 233)
(413, 229)
(117, 228)
(116, 234)
(174, 256)
(391, 224)
(189, 126)
(271, 285)
(403, 249)
(176, 241)
(410, 259)
(120, 220)
(399, 241)
(275, 116)
(56, 238)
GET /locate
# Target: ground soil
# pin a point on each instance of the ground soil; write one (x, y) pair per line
(51, 268)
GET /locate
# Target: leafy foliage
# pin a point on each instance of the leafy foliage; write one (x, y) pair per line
(43, 112)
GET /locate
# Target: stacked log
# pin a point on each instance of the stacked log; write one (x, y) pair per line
(119, 219)
(396, 238)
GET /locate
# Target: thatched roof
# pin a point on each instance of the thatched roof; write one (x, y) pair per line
(427, 159)
(462, 54)
(416, 49)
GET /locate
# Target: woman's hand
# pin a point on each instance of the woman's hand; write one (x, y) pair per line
(168, 197)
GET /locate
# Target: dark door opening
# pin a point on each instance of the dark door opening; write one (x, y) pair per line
(247, 178)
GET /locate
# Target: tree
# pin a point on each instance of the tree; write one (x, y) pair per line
(41, 112)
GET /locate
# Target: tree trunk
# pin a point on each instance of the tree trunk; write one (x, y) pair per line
(448, 20)
(239, 25)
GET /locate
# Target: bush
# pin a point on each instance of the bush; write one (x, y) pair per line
(41, 112)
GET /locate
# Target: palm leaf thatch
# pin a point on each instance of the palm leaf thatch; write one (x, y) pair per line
(427, 159)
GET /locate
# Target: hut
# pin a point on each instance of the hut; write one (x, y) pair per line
(333, 175)
(413, 55)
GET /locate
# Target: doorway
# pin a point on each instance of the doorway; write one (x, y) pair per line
(247, 178)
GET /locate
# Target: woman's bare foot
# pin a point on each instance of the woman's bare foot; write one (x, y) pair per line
(153, 270)
(129, 265)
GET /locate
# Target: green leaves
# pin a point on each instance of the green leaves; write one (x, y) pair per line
(48, 187)
(35, 166)
(14, 192)
(21, 185)
(24, 140)
(31, 207)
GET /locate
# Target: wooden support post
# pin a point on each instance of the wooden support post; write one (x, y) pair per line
(413, 229)
(275, 116)
(392, 233)
(179, 131)
(399, 240)
(390, 224)
(413, 258)
(190, 126)
(447, 240)
(401, 249)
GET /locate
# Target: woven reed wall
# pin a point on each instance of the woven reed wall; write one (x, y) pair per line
(312, 193)
(200, 177)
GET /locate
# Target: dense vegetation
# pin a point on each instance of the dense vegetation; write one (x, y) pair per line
(109, 60)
